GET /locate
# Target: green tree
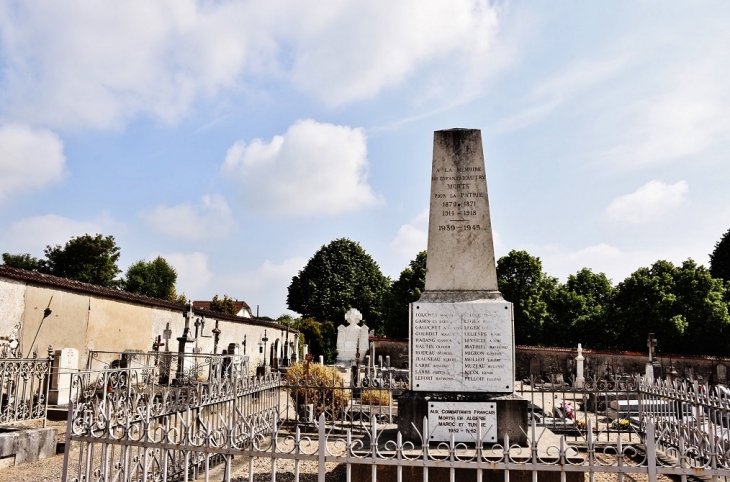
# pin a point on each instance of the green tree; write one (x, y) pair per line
(720, 258)
(684, 306)
(702, 301)
(321, 337)
(223, 305)
(155, 278)
(403, 291)
(90, 259)
(578, 310)
(340, 276)
(644, 303)
(23, 261)
(522, 282)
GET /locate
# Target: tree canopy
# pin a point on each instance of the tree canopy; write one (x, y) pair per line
(321, 337)
(23, 261)
(720, 258)
(522, 282)
(155, 278)
(90, 259)
(340, 276)
(223, 305)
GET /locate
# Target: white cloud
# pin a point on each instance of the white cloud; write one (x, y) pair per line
(33, 234)
(412, 237)
(29, 159)
(192, 270)
(99, 65)
(352, 50)
(85, 64)
(211, 218)
(554, 91)
(265, 286)
(617, 263)
(313, 168)
(648, 203)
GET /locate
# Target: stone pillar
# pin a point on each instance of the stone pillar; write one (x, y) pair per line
(579, 378)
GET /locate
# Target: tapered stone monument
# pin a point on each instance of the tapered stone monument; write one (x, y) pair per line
(461, 329)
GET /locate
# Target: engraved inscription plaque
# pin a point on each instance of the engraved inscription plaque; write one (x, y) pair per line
(461, 419)
(462, 347)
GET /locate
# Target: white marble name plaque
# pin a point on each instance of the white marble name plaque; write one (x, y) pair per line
(462, 347)
(461, 420)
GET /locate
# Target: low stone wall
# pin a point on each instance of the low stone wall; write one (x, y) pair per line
(543, 361)
(397, 350)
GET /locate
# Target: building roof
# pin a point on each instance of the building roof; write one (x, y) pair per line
(41, 279)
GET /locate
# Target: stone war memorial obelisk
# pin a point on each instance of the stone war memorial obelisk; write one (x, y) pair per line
(461, 329)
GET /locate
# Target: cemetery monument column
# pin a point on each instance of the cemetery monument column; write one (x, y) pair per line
(461, 329)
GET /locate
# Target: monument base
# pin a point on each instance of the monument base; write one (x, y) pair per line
(511, 413)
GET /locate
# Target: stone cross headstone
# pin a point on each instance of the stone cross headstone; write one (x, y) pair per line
(461, 333)
(351, 338)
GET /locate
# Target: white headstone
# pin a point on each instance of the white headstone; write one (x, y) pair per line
(351, 338)
(66, 362)
(579, 378)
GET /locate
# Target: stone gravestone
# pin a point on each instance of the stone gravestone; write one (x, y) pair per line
(351, 338)
(461, 329)
(65, 363)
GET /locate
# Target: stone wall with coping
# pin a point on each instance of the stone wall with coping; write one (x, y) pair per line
(543, 361)
(89, 318)
(12, 305)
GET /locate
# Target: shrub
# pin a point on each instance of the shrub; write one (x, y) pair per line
(375, 397)
(318, 385)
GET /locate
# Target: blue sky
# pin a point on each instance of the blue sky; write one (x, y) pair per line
(236, 138)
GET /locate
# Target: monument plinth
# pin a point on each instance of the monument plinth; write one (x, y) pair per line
(461, 329)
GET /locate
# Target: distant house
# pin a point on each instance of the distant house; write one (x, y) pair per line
(241, 308)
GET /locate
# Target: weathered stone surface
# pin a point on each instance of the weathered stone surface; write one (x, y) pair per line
(36, 444)
(462, 347)
(460, 245)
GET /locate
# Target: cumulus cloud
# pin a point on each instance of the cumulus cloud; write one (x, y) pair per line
(648, 203)
(412, 237)
(193, 273)
(80, 64)
(313, 168)
(353, 50)
(29, 159)
(210, 218)
(31, 235)
(265, 285)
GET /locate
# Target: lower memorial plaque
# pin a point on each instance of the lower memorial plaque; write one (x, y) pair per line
(462, 419)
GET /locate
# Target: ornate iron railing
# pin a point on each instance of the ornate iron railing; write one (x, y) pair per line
(24, 384)
(629, 426)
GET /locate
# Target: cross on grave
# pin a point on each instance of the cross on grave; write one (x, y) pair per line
(167, 335)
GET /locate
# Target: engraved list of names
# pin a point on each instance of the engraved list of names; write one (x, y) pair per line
(461, 347)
